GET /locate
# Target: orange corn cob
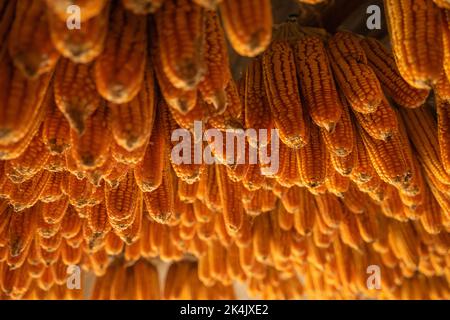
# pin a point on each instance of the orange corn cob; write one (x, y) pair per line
(160, 202)
(231, 118)
(29, 162)
(388, 158)
(180, 25)
(7, 10)
(52, 191)
(131, 123)
(55, 130)
(248, 25)
(75, 93)
(340, 141)
(97, 219)
(312, 160)
(422, 132)
(142, 6)
(80, 45)
(445, 28)
(231, 204)
(90, 150)
(289, 164)
(350, 66)
(26, 194)
(23, 103)
(217, 73)
(380, 124)
(21, 231)
(363, 170)
(149, 171)
(330, 209)
(345, 164)
(304, 218)
(317, 82)
(81, 193)
(119, 70)
(256, 107)
(335, 182)
(414, 50)
(282, 91)
(443, 118)
(29, 43)
(383, 64)
(122, 201)
(442, 3)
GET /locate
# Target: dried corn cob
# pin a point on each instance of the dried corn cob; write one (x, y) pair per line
(131, 123)
(443, 118)
(281, 86)
(317, 82)
(388, 158)
(251, 30)
(442, 3)
(119, 70)
(383, 64)
(356, 79)
(90, 150)
(55, 130)
(23, 102)
(180, 25)
(231, 118)
(418, 122)
(122, 201)
(160, 202)
(217, 73)
(312, 160)
(256, 107)
(380, 124)
(340, 141)
(75, 93)
(418, 54)
(80, 45)
(231, 204)
(29, 43)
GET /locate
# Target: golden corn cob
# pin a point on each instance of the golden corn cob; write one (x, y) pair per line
(368, 226)
(75, 93)
(21, 231)
(414, 50)
(217, 73)
(148, 172)
(80, 45)
(180, 25)
(142, 6)
(431, 218)
(211, 195)
(335, 182)
(443, 118)
(418, 122)
(98, 220)
(119, 70)
(445, 28)
(131, 234)
(388, 158)
(356, 79)
(363, 170)
(403, 241)
(129, 158)
(289, 165)
(304, 218)
(248, 25)
(53, 212)
(29, 162)
(330, 209)
(349, 232)
(380, 124)
(26, 194)
(281, 86)
(23, 104)
(256, 107)
(231, 204)
(121, 202)
(55, 130)
(341, 140)
(312, 160)
(160, 202)
(383, 64)
(291, 200)
(90, 150)
(317, 82)
(345, 164)
(52, 191)
(81, 192)
(131, 123)
(29, 42)
(231, 118)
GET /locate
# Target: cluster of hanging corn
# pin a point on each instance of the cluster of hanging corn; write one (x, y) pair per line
(86, 117)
